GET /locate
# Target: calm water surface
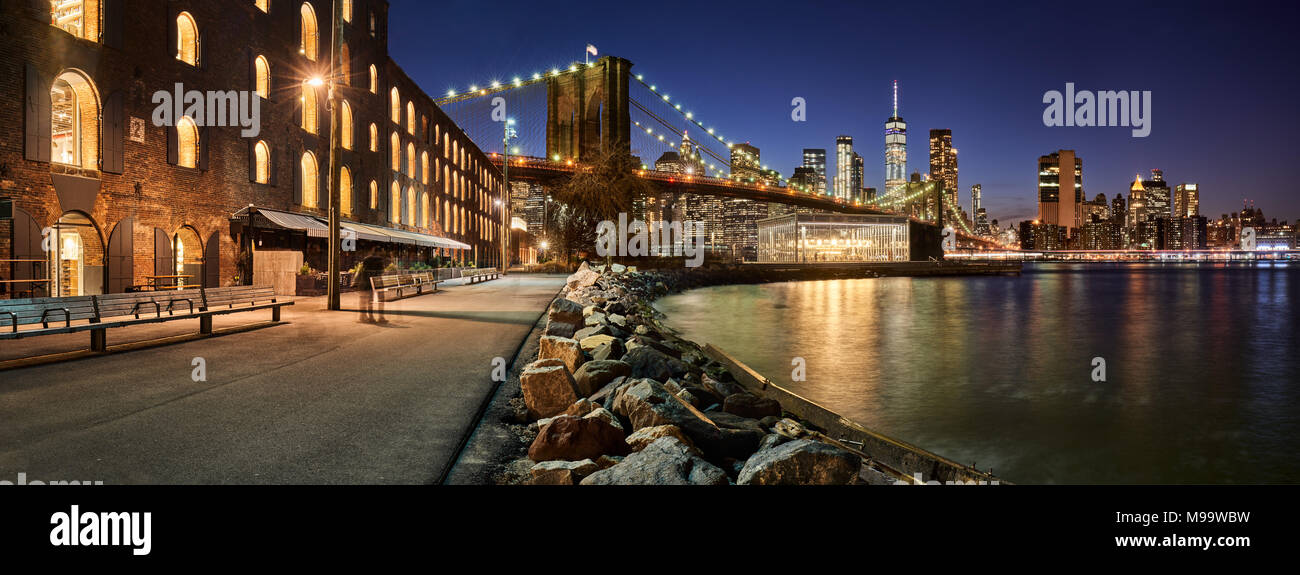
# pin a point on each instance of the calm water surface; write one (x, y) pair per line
(1203, 365)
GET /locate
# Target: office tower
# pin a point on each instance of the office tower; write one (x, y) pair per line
(1118, 212)
(1187, 201)
(815, 158)
(1158, 196)
(1060, 190)
(1097, 207)
(740, 226)
(745, 165)
(844, 167)
(895, 148)
(1137, 202)
(977, 209)
(855, 179)
(943, 166)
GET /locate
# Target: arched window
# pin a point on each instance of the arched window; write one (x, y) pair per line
(187, 39)
(395, 144)
(424, 210)
(374, 137)
(424, 168)
(308, 99)
(446, 146)
(74, 121)
(262, 162)
(395, 102)
(310, 41)
(345, 65)
(395, 204)
(77, 17)
(262, 83)
(345, 125)
(410, 160)
(309, 178)
(374, 195)
(374, 79)
(263, 5)
(187, 143)
(347, 10)
(410, 206)
(410, 118)
(345, 190)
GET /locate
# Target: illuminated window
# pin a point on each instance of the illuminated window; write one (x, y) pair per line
(345, 65)
(374, 137)
(424, 168)
(309, 119)
(395, 146)
(310, 177)
(263, 5)
(77, 17)
(345, 190)
(345, 126)
(424, 210)
(74, 117)
(263, 80)
(410, 206)
(187, 143)
(374, 79)
(310, 41)
(187, 39)
(374, 195)
(347, 10)
(262, 160)
(410, 160)
(395, 102)
(410, 118)
(395, 204)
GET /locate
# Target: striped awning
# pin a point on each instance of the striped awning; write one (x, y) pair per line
(291, 221)
(317, 227)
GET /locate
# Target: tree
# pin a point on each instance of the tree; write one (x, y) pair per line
(601, 190)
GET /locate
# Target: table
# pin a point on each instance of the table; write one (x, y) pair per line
(176, 282)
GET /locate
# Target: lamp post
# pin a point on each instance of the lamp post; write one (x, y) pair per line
(335, 245)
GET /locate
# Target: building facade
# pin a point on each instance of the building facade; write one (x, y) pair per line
(1060, 190)
(134, 191)
(844, 188)
(815, 159)
(943, 166)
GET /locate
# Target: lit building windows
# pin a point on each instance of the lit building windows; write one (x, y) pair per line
(410, 160)
(395, 102)
(345, 126)
(395, 145)
(347, 10)
(262, 162)
(374, 195)
(187, 39)
(345, 65)
(424, 168)
(310, 41)
(263, 5)
(374, 137)
(410, 206)
(410, 118)
(395, 204)
(310, 122)
(345, 190)
(77, 17)
(262, 83)
(309, 178)
(74, 116)
(374, 79)
(424, 210)
(187, 143)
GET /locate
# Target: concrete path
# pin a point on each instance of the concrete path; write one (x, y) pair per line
(322, 398)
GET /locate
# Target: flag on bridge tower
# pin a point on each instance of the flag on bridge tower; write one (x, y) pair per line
(591, 51)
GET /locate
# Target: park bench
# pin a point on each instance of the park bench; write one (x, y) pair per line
(401, 283)
(481, 275)
(425, 279)
(99, 313)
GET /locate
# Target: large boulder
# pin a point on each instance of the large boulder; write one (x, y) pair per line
(611, 350)
(648, 404)
(646, 435)
(559, 329)
(751, 406)
(561, 348)
(800, 462)
(649, 362)
(641, 340)
(733, 421)
(666, 461)
(722, 388)
(587, 332)
(584, 277)
(565, 311)
(571, 438)
(548, 389)
(594, 375)
(562, 472)
(590, 343)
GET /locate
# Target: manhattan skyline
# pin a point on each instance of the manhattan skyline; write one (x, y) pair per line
(959, 67)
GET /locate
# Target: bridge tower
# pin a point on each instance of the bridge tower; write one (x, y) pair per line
(589, 111)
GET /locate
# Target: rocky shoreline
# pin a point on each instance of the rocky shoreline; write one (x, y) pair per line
(614, 398)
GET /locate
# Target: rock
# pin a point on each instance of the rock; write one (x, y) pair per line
(751, 406)
(576, 438)
(562, 348)
(584, 277)
(596, 374)
(688, 397)
(800, 462)
(648, 404)
(548, 390)
(647, 435)
(618, 268)
(610, 350)
(604, 394)
(772, 440)
(666, 461)
(641, 340)
(722, 388)
(608, 461)
(562, 472)
(596, 318)
(565, 311)
(769, 422)
(580, 408)
(617, 307)
(559, 329)
(587, 332)
(589, 344)
(651, 363)
(618, 320)
(733, 421)
(705, 395)
(607, 415)
(671, 386)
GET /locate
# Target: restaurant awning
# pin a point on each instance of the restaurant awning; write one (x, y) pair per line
(317, 227)
(292, 221)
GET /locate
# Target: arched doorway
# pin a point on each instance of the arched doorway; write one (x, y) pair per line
(76, 251)
(188, 250)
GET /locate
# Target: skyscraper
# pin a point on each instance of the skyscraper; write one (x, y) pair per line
(1158, 196)
(745, 165)
(1187, 201)
(1137, 202)
(844, 167)
(856, 191)
(977, 210)
(815, 158)
(895, 148)
(943, 166)
(1060, 190)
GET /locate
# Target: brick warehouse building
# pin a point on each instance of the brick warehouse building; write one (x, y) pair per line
(123, 198)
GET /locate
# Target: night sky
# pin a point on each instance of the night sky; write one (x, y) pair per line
(1223, 78)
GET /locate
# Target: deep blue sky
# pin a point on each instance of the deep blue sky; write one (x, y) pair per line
(1223, 77)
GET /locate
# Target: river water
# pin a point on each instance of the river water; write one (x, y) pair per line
(1202, 365)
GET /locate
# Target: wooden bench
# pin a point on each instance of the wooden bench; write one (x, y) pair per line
(425, 279)
(481, 275)
(400, 283)
(99, 313)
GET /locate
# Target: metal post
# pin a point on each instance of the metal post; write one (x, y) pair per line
(334, 243)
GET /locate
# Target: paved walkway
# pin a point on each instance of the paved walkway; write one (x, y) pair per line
(322, 398)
